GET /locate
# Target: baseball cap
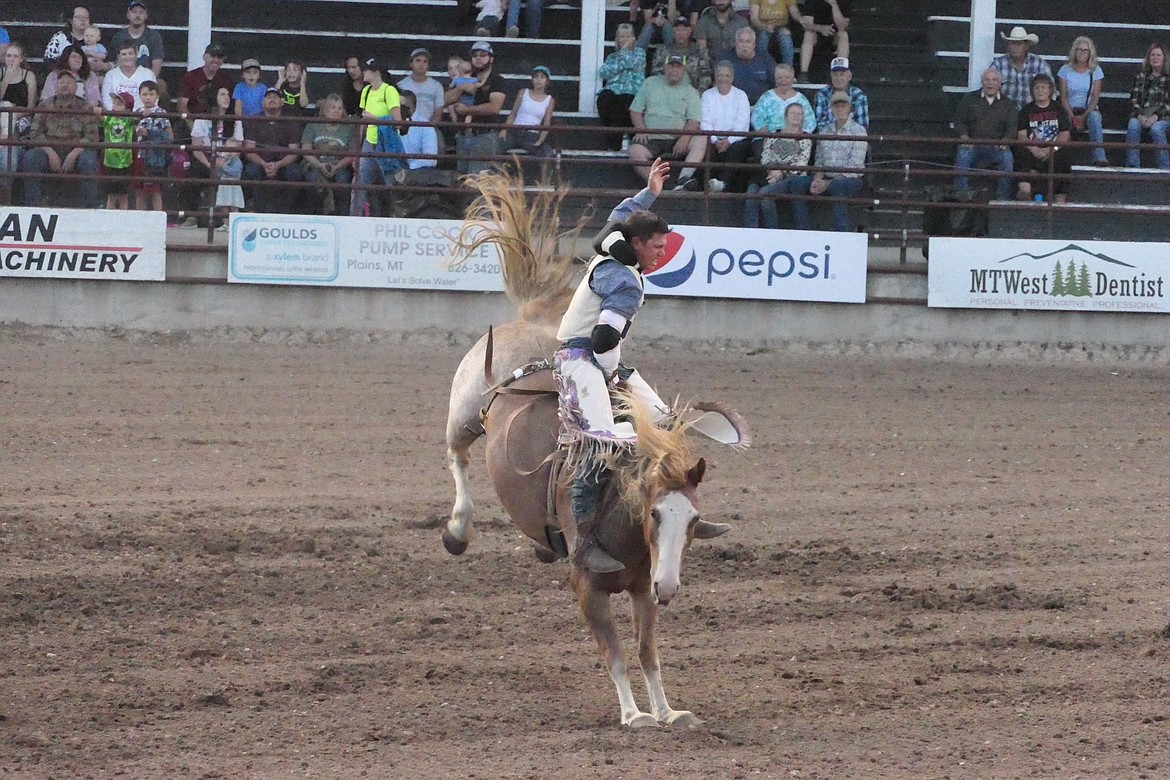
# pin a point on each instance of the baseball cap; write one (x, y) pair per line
(839, 63)
(271, 91)
(676, 59)
(420, 52)
(482, 46)
(66, 72)
(214, 49)
(250, 63)
(138, 3)
(682, 21)
(373, 63)
(541, 69)
(839, 97)
(128, 98)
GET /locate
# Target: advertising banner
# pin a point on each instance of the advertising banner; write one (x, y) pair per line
(994, 273)
(782, 265)
(700, 262)
(405, 254)
(83, 244)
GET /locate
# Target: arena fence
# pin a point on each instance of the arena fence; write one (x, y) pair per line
(899, 204)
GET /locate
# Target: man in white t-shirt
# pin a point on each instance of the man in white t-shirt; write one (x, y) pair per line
(420, 143)
(727, 113)
(126, 77)
(428, 92)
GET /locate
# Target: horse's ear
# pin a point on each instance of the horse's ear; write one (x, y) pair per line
(695, 475)
(705, 530)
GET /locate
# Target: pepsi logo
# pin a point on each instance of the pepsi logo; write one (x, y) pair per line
(677, 277)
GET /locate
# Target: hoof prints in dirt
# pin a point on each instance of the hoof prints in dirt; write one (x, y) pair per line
(954, 598)
(814, 562)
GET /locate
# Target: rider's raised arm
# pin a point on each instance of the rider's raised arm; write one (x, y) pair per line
(659, 170)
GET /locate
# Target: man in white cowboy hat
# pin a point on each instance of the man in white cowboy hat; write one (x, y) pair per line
(1019, 66)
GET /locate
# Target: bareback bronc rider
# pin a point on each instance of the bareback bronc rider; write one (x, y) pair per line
(588, 364)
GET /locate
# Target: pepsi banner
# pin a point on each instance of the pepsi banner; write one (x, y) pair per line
(760, 264)
(405, 254)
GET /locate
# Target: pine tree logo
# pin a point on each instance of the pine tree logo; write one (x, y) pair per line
(1071, 281)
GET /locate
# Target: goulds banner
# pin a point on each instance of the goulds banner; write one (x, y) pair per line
(988, 273)
(355, 252)
(783, 265)
(83, 244)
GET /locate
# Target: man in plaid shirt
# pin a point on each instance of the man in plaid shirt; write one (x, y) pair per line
(1018, 67)
(65, 121)
(840, 144)
(841, 80)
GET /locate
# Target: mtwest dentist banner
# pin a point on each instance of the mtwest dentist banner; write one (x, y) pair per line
(992, 273)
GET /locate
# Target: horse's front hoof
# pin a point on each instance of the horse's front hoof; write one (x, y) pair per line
(544, 555)
(453, 545)
(683, 718)
(643, 720)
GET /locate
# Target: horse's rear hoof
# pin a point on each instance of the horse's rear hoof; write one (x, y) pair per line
(545, 555)
(453, 545)
(682, 718)
(643, 720)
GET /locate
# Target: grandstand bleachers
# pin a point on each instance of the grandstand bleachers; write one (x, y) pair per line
(889, 43)
(1121, 47)
(1122, 30)
(909, 56)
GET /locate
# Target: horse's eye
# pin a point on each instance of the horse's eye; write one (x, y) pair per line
(655, 515)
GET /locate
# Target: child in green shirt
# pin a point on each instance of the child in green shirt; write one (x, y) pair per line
(118, 128)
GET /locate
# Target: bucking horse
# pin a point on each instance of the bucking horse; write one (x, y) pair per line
(650, 513)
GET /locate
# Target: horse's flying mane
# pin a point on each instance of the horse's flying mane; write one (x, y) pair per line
(662, 455)
(524, 227)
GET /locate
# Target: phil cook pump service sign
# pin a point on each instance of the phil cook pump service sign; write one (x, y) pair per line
(993, 273)
(356, 252)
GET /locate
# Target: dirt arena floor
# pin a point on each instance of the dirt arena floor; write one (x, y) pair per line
(221, 559)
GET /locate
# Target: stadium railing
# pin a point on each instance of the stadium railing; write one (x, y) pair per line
(902, 189)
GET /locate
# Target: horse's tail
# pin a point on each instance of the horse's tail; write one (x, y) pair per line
(523, 225)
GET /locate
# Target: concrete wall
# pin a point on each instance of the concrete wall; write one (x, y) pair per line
(895, 321)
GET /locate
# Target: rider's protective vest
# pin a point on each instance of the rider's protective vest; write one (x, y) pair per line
(585, 307)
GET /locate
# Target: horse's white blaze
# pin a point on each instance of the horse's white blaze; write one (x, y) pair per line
(675, 512)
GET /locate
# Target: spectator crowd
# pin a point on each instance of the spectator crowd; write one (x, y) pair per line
(714, 86)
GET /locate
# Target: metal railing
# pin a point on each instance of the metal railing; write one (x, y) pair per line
(898, 186)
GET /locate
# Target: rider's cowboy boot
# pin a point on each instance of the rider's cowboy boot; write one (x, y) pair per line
(587, 552)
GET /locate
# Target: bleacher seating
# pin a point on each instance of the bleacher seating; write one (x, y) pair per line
(1121, 45)
(908, 55)
(1092, 212)
(1122, 30)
